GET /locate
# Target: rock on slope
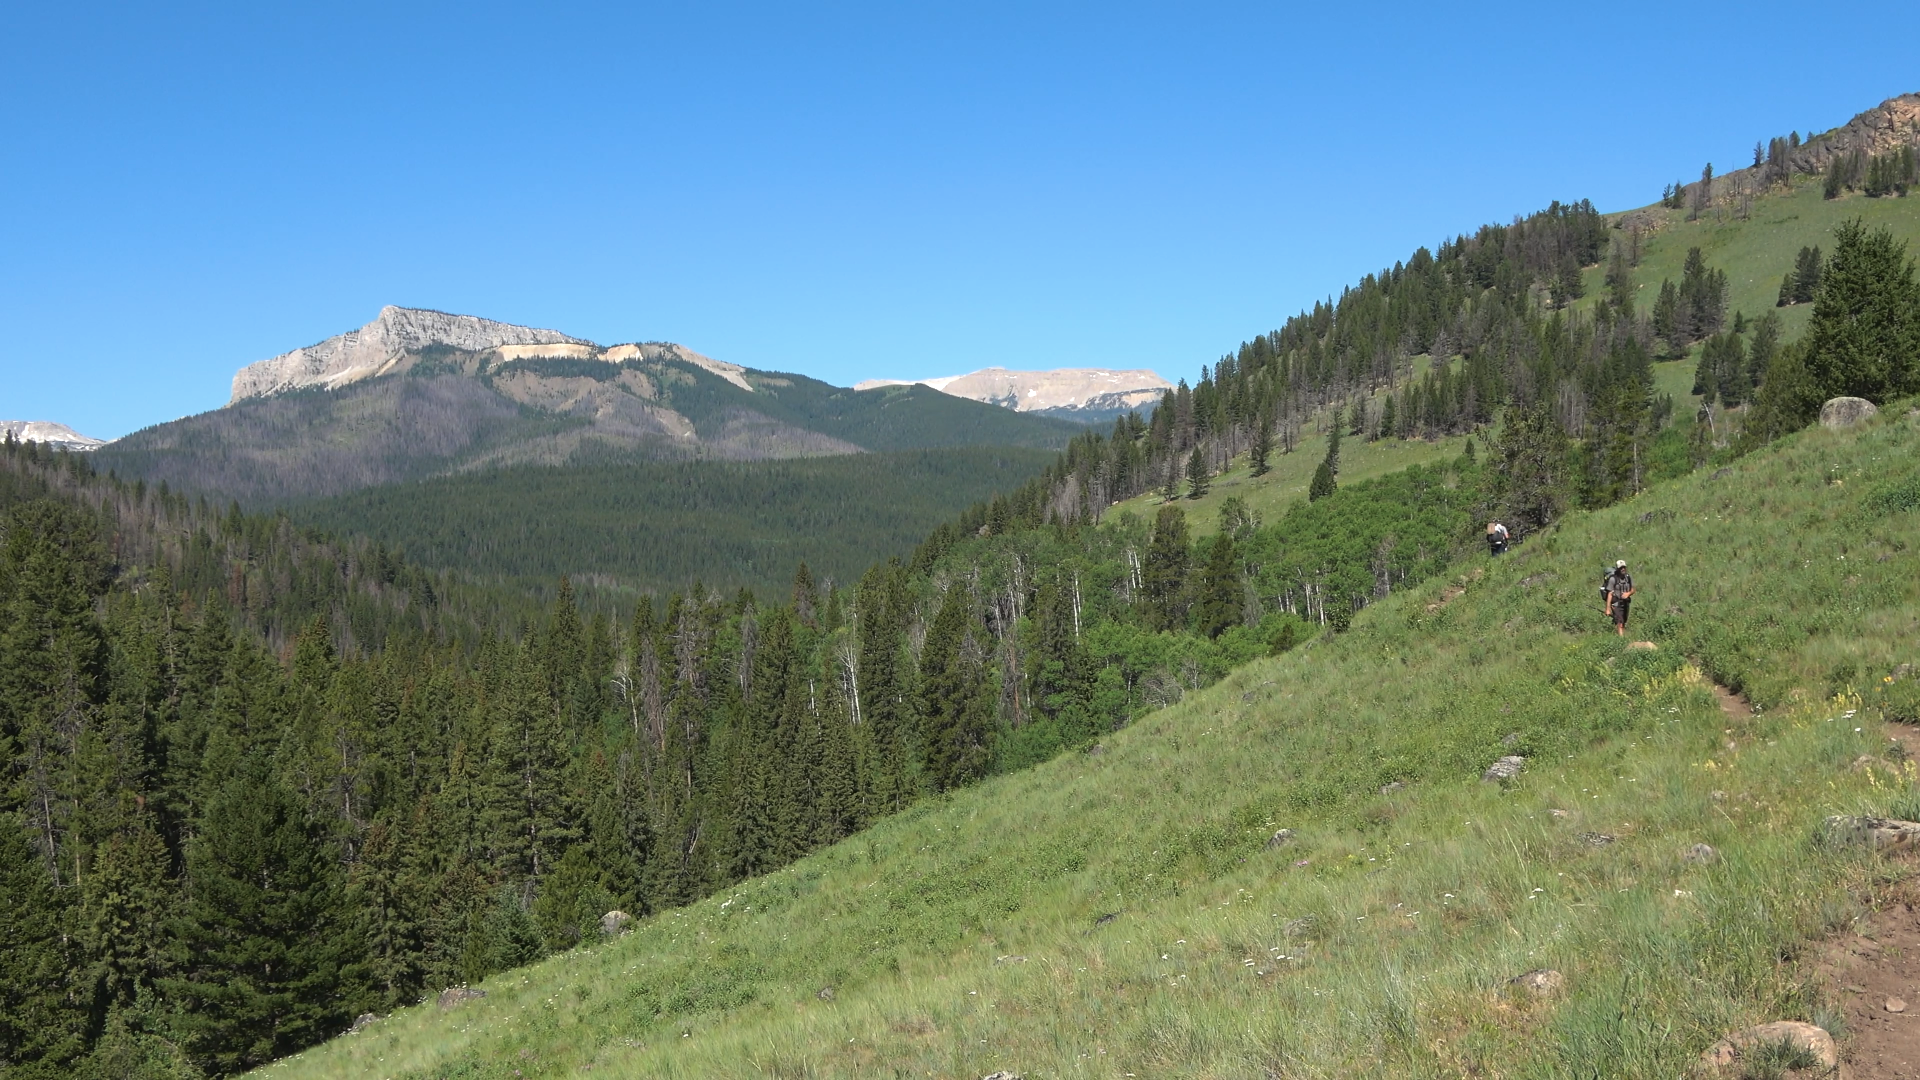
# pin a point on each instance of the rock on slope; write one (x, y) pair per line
(1079, 393)
(368, 351)
(48, 432)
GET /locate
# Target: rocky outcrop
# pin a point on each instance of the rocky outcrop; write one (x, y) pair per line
(362, 353)
(46, 432)
(1093, 393)
(1799, 1039)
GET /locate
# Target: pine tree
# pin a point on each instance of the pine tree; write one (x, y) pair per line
(1389, 418)
(1198, 475)
(1864, 337)
(1059, 671)
(384, 897)
(1260, 442)
(42, 1019)
(267, 961)
(1528, 483)
(954, 704)
(124, 906)
(1164, 577)
(1218, 606)
(571, 901)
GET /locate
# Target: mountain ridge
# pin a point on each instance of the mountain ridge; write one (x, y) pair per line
(1090, 395)
(49, 433)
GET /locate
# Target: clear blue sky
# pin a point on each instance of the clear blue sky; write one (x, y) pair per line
(841, 190)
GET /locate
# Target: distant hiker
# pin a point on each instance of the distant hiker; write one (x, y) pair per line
(1619, 595)
(1497, 537)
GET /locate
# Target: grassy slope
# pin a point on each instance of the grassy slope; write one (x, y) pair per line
(1270, 495)
(963, 936)
(1755, 253)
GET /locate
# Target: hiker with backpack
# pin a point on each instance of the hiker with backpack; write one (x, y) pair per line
(1619, 596)
(1497, 537)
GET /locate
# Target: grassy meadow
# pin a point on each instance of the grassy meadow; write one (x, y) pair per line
(1123, 913)
(1757, 251)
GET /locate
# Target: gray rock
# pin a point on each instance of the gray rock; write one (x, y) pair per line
(1541, 982)
(1728, 1052)
(1280, 839)
(614, 922)
(1844, 412)
(1700, 853)
(1864, 829)
(1393, 787)
(1002, 1075)
(364, 1020)
(458, 995)
(1598, 839)
(825, 994)
(1505, 769)
(395, 330)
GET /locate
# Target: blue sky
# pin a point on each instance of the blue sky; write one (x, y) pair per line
(842, 190)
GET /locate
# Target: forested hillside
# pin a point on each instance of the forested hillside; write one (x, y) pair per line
(240, 817)
(626, 526)
(447, 412)
(335, 830)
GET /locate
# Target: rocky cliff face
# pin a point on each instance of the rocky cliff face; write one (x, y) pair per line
(49, 433)
(370, 350)
(1079, 393)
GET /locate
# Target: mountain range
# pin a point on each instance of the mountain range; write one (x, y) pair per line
(59, 436)
(1089, 395)
(416, 393)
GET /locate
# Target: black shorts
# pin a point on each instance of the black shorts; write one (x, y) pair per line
(1620, 612)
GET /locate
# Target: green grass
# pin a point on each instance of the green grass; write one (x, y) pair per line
(1756, 252)
(970, 933)
(1286, 483)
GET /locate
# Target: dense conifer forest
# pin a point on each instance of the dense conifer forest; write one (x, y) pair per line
(258, 781)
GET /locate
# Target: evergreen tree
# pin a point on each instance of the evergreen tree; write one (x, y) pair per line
(1059, 670)
(1529, 467)
(1260, 443)
(571, 901)
(954, 703)
(1218, 604)
(42, 1018)
(124, 907)
(1164, 577)
(267, 960)
(1197, 474)
(384, 897)
(1864, 337)
(1322, 484)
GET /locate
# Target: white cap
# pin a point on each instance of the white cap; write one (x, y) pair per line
(1621, 565)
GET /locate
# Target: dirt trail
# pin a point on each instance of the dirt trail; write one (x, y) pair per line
(1733, 704)
(1875, 966)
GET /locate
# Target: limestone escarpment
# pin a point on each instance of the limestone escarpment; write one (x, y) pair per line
(372, 349)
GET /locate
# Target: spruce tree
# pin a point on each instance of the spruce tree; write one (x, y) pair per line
(1164, 577)
(1864, 337)
(1197, 474)
(42, 1016)
(956, 709)
(1060, 673)
(1528, 489)
(1260, 441)
(267, 960)
(1218, 605)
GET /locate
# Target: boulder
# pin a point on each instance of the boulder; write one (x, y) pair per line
(1505, 769)
(1728, 1051)
(1280, 839)
(825, 994)
(1001, 1075)
(364, 1020)
(1877, 832)
(614, 922)
(1844, 412)
(458, 995)
(1393, 787)
(1541, 982)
